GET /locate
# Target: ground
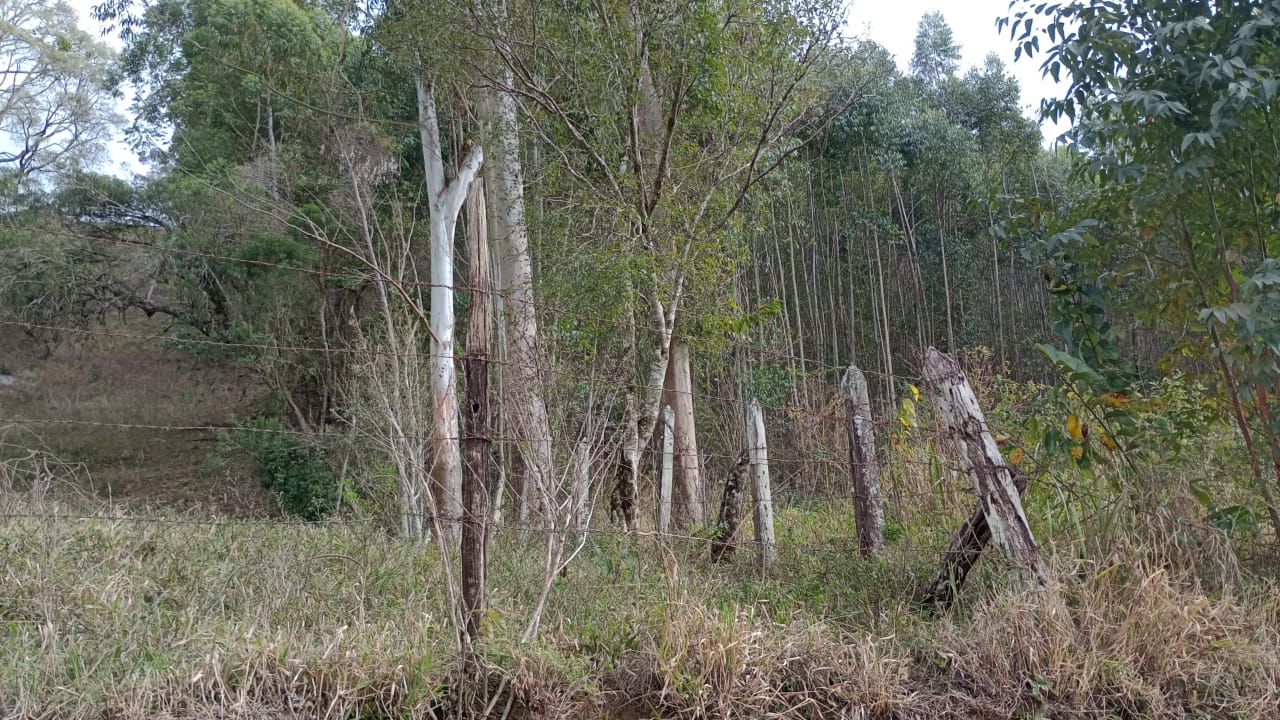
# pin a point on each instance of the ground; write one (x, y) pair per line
(92, 383)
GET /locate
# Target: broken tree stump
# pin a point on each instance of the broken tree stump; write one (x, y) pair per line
(724, 542)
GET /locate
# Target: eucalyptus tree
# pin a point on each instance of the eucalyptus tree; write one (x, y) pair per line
(937, 54)
(1174, 107)
(661, 118)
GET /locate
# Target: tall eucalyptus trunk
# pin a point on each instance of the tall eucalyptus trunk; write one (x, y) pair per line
(445, 201)
(525, 406)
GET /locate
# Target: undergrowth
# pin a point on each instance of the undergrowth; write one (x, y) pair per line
(119, 618)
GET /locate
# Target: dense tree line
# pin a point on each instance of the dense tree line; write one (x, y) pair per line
(688, 203)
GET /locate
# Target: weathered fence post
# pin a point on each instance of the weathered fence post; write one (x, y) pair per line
(668, 469)
(581, 490)
(476, 510)
(999, 501)
(761, 495)
(725, 540)
(868, 508)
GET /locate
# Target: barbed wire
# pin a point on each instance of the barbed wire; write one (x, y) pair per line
(364, 352)
(547, 308)
(232, 429)
(643, 535)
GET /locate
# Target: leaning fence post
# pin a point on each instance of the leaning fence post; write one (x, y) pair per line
(668, 469)
(993, 481)
(761, 495)
(867, 506)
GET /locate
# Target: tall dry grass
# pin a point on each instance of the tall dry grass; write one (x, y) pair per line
(185, 618)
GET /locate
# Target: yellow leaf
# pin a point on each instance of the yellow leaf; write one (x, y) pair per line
(1116, 399)
(1073, 427)
(915, 391)
(1077, 452)
(1015, 457)
(1109, 442)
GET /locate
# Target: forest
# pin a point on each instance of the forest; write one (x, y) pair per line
(615, 359)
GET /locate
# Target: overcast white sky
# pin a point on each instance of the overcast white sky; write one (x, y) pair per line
(891, 23)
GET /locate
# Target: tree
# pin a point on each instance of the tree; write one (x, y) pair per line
(525, 408)
(661, 118)
(1173, 107)
(55, 111)
(936, 56)
(445, 199)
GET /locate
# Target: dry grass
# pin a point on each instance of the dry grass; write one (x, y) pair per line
(124, 381)
(184, 619)
(176, 616)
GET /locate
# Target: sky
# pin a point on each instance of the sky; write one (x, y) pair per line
(973, 23)
(890, 23)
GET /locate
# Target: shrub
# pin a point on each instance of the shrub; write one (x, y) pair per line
(295, 470)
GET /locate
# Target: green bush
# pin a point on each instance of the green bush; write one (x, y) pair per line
(295, 470)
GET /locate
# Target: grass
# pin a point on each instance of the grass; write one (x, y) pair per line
(183, 599)
(124, 618)
(134, 382)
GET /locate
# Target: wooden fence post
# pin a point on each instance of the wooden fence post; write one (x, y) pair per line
(581, 490)
(668, 469)
(725, 540)
(761, 495)
(999, 501)
(867, 506)
(476, 487)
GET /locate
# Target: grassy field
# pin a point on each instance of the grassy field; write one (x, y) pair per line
(128, 618)
(144, 581)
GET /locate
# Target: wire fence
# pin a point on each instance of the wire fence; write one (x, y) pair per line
(807, 452)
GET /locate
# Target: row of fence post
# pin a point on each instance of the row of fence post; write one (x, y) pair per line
(998, 514)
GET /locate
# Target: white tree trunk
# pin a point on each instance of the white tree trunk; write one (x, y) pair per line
(680, 398)
(761, 494)
(525, 406)
(445, 202)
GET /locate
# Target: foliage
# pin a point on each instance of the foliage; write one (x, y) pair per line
(55, 112)
(1170, 101)
(290, 466)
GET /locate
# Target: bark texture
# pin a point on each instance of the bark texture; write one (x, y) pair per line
(581, 490)
(761, 493)
(724, 542)
(998, 495)
(668, 470)
(445, 203)
(963, 552)
(868, 507)
(679, 393)
(525, 406)
(476, 484)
